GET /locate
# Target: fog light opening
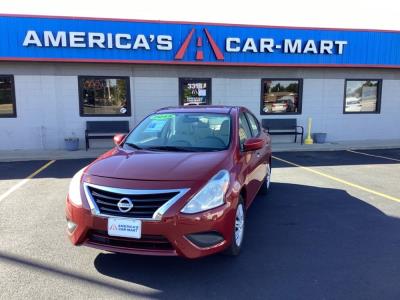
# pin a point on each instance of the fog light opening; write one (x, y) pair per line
(205, 239)
(71, 226)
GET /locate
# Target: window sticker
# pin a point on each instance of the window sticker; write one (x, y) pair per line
(162, 117)
(156, 125)
(202, 92)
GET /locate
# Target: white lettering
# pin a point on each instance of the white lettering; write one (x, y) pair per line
(267, 45)
(141, 42)
(228, 44)
(164, 42)
(326, 47)
(250, 45)
(290, 47)
(31, 38)
(340, 46)
(310, 47)
(109, 40)
(60, 38)
(118, 41)
(77, 39)
(96, 38)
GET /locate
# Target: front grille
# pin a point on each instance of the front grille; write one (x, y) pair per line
(146, 242)
(144, 205)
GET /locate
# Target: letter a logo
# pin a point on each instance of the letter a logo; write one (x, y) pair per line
(199, 44)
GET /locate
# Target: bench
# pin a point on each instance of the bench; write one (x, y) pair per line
(104, 129)
(284, 127)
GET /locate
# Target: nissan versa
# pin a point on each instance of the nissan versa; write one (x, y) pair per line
(178, 184)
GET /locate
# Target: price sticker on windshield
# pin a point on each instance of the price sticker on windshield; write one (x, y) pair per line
(156, 126)
(162, 117)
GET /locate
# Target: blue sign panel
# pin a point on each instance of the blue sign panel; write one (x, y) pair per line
(29, 38)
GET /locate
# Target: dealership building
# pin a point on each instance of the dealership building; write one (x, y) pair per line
(57, 73)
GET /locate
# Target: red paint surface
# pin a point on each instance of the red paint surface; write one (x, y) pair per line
(199, 55)
(217, 52)
(160, 62)
(199, 42)
(138, 169)
(182, 50)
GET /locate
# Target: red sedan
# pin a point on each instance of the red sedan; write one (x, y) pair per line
(178, 184)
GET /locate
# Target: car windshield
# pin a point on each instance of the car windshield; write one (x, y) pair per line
(184, 131)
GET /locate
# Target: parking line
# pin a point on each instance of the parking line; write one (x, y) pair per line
(24, 181)
(373, 155)
(339, 180)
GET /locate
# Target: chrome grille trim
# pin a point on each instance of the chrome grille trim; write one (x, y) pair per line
(157, 214)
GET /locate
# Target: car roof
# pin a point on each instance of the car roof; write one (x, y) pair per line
(200, 108)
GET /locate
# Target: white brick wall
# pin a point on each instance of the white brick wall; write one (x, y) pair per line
(48, 106)
(152, 93)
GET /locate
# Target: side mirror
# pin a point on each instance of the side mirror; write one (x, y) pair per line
(118, 139)
(253, 144)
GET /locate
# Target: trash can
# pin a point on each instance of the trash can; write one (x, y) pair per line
(320, 137)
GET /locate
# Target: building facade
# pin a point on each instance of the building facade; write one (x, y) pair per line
(56, 73)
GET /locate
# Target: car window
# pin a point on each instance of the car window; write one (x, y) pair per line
(254, 125)
(182, 131)
(244, 130)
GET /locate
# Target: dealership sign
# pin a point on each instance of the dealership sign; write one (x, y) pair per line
(71, 39)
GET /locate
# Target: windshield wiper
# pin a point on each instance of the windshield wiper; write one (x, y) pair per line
(169, 148)
(133, 146)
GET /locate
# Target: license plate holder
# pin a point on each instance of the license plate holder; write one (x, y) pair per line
(124, 227)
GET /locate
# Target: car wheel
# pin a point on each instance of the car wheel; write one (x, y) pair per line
(266, 185)
(238, 230)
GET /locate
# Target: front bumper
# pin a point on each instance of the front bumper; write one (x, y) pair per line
(169, 236)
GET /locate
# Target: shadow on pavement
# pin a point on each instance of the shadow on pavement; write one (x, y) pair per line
(64, 274)
(337, 158)
(302, 242)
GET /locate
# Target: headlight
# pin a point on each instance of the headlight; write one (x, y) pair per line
(74, 192)
(210, 196)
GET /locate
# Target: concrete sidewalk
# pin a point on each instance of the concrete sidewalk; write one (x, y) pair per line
(26, 155)
(336, 146)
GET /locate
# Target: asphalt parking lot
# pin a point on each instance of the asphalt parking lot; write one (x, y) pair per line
(329, 229)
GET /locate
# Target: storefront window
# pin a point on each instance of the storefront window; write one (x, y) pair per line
(281, 96)
(7, 97)
(104, 96)
(362, 96)
(195, 91)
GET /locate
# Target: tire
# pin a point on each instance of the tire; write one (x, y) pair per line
(266, 185)
(239, 224)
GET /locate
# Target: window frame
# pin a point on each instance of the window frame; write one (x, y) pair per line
(13, 100)
(247, 114)
(241, 146)
(300, 101)
(180, 86)
(128, 92)
(378, 97)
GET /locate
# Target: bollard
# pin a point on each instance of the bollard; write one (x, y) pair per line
(309, 140)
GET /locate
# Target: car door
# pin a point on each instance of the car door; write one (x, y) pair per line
(249, 160)
(262, 156)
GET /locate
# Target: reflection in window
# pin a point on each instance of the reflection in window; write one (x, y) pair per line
(104, 96)
(244, 130)
(362, 96)
(281, 96)
(7, 101)
(253, 122)
(195, 91)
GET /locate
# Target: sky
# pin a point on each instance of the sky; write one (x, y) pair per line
(368, 14)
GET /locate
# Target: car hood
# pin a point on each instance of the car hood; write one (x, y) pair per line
(149, 165)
